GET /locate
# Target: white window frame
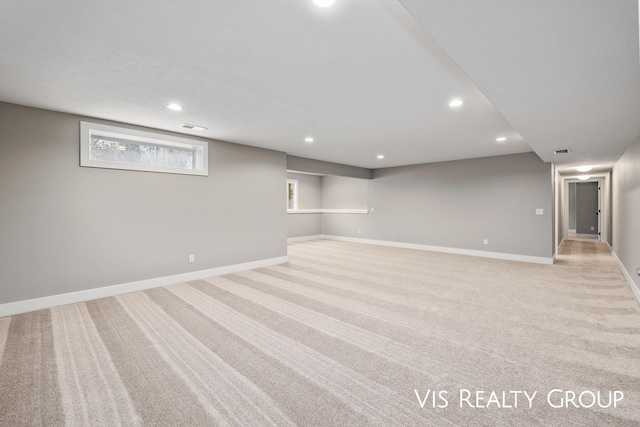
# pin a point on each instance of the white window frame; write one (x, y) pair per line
(88, 130)
(295, 194)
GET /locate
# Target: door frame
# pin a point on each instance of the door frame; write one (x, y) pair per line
(604, 195)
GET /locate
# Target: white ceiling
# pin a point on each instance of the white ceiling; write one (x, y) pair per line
(364, 77)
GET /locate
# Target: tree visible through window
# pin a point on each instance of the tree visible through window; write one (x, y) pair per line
(106, 149)
(292, 194)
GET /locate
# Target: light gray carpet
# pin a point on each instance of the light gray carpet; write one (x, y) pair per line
(344, 334)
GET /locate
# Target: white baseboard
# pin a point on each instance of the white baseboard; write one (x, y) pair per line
(457, 251)
(587, 236)
(625, 273)
(304, 238)
(327, 211)
(18, 307)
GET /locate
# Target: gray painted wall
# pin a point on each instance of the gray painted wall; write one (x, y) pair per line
(309, 197)
(572, 206)
(456, 204)
(586, 207)
(345, 193)
(66, 228)
(626, 210)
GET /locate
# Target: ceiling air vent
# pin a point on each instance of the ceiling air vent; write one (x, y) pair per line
(564, 151)
(193, 127)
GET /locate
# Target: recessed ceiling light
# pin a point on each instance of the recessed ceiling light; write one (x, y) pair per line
(584, 177)
(122, 148)
(381, 156)
(584, 168)
(456, 103)
(308, 139)
(175, 107)
(324, 3)
(501, 139)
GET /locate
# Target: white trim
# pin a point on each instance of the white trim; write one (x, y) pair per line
(18, 307)
(304, 211)
(457, 251)
(557, 251)
(634, 288)
(604, 197)
(345, 211)
(304, 173)
(328, 211)
(304, 238)
(556, 190)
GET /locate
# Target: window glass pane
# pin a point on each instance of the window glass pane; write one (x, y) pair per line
(136, 153)
(292, 194)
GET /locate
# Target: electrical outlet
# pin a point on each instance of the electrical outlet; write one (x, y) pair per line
(372, 209)
(539, 211)
(192, 258)
(486, 241)
(359, 231)
(592, 228)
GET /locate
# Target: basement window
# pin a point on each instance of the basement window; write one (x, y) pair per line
(111, 147)
(292, 194)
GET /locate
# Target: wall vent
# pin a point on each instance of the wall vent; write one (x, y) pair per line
(563, 151)
(193, 127)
